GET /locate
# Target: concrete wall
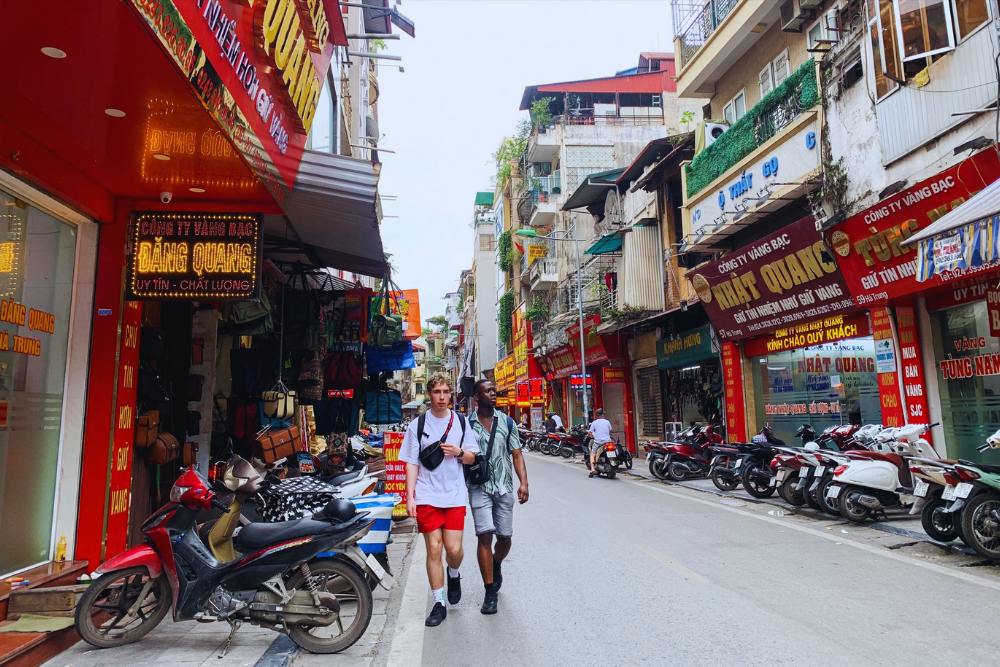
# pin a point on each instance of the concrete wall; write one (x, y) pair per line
(486, 312)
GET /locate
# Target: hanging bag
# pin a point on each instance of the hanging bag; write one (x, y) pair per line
(396, 357)
(386, 328)
(276, 444)
(478, 472)
(147, 427)
(164, 449)
(279, 401)
(432, 455)
(383, 407)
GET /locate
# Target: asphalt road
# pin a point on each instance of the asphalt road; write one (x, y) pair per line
(629, 571)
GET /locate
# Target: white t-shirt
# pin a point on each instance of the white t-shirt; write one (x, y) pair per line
(558, 420)
(601, 429)
(445, 485)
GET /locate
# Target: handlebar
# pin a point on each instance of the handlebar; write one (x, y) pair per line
(218, 504)
(983, 448)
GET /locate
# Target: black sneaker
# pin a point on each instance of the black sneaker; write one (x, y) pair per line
(490, 601)
(438, 614)
(497, 576)
(454, 589)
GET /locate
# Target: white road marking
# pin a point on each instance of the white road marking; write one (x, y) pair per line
(878, 551)
(408, 638)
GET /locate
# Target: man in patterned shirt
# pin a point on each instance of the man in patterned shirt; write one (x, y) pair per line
(493, 502)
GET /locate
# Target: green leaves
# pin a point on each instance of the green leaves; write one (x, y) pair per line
(505, 316)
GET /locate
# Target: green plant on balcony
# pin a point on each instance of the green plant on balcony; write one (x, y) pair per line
(537, 312)
(541, 113)
(505, 316)
(505, 252)
(798, 92)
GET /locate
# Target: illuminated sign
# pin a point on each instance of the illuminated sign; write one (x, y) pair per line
(195, 256)
(609, 374)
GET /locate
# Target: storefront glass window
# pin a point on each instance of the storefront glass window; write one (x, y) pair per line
(969, 393)
(823, 385)
(37, 258)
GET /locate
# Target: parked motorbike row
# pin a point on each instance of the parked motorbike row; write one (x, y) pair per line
(858, 472)
(612, 457)
(300, 556)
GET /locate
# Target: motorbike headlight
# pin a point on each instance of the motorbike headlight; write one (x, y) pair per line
(177, 491)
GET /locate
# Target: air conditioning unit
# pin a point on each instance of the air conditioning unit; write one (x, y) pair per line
(713, 131)
(795, 13)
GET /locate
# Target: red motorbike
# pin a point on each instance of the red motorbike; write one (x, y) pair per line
(324, 606)
(693, 457)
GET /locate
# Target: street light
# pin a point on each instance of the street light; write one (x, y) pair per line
(530, 233)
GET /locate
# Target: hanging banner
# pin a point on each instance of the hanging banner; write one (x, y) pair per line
(867, 248)
(775, 282)
(817, 332)
(888, 381)
(191, 256)
(537, 251)
(592, 341)
(732, 374)
(395, 470)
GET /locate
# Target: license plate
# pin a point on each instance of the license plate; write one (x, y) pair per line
(612, 455)
(963, 490)
(376, 568)
(736, 464)
(832, 491)
(920, 488)
(773, 481)
(948, 493)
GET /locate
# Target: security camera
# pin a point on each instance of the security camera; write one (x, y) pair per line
(166, 197)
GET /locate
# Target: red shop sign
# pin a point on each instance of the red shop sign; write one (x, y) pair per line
(395, 469)
(536, 390)
(523, 395)
(775, 282)
(993, 311)
(817, 332)
(867, 245)
(888, 383)
(911, 367)
(609, 374)
(593, 343)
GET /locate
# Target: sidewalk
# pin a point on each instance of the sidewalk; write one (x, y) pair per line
(190, 643)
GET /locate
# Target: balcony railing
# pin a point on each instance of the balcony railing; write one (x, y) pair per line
(696, 21)
(796, 94)
(543, 187)
(544, 271)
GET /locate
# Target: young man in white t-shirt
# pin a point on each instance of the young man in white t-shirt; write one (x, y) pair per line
(437, 498)
(600, 430)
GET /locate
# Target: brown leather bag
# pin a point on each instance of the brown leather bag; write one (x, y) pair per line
(147, 427)
(164, 449)
(278, 444)
(189, 453)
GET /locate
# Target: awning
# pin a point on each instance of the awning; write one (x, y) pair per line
(964, 238)
(330, 216)
(412, 405)
(484, 199)
(593, 189)
(608, 243)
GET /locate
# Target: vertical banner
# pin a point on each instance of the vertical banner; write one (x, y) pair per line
(917, 411)
(885, 362)
(395, 470)
(732, 373)
(993, 311)
(123, 432)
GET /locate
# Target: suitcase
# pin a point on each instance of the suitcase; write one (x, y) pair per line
(278, 444)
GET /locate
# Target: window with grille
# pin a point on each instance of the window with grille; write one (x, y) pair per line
(650, 402)
(487, 242)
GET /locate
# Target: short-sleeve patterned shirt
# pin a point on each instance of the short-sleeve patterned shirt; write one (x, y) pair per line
(506, 441)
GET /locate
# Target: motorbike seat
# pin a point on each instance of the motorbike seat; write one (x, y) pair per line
(986, 467)
(345, 478)
(259, 535)
(894, 459)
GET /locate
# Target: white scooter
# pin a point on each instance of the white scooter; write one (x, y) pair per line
(880, 479)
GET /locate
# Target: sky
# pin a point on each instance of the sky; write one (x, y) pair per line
(445, 115)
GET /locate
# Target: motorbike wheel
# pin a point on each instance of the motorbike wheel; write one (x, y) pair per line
(811, 499)
(851, 510)
(723, 483)
(754, 486)
(656, 468)
(829, 506)
(981, 524)
(353, 595)
(105, 604)
(676, 471)
(939, 525)
(566, 452)
(789, 494)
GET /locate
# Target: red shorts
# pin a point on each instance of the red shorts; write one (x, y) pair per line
(430, 518)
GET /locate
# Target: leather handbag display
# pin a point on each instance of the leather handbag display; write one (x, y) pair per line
(147, 427)
(164, 449)
(279, 401)
(189, 453)
(276, 444)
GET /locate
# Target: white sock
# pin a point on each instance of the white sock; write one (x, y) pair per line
(439, 596)
(452, 572)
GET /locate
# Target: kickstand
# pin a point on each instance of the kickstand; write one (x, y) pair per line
(234, 626)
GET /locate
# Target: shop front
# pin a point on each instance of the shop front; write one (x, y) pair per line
(185, 146)
(692, 377)
(794, 347)
(931, 299)
(529, 392)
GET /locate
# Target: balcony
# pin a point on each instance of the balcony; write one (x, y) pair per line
(545, 190)
(544, 274)
(712, 35)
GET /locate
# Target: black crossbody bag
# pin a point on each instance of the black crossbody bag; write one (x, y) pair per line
(432, 455)
(478, 472)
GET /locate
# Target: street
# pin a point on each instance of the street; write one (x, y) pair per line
(631, 571)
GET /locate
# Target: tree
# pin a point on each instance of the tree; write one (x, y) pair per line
(439, 321)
